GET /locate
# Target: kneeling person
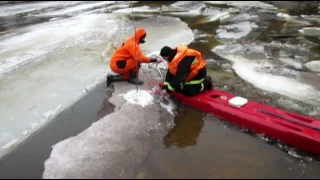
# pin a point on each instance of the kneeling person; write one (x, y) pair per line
(187, 71)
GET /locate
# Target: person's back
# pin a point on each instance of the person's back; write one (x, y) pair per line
(187, 71)
(131, 49)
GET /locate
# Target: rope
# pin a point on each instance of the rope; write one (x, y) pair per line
(290, 120)
(135, 53)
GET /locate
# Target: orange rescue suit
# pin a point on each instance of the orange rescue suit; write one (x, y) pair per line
(129, 52)
(197, 64)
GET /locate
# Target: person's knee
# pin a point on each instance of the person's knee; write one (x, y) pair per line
(208, 83)
(121, 64)
(115, 66)
(190, 91)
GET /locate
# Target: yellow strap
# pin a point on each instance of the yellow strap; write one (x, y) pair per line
(195, 60)
(169, 86)
(194, 82)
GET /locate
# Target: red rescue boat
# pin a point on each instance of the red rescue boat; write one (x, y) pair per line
(296, 130)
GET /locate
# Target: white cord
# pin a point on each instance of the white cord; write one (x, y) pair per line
(135, 44)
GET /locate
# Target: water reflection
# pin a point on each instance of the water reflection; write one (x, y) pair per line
(188, 125)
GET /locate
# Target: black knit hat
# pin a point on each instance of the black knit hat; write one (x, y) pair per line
(166, 51)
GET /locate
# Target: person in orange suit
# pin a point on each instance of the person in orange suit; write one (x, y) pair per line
(127, 59)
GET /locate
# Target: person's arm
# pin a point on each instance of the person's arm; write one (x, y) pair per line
(168, 78)
(136, 52)
(182, 72)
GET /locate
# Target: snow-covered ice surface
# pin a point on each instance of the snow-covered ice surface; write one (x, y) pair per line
(107, 9)
(261, 74)
(10, 10)
(310, 31)
(173, 11)
(283, 15)
(271, 74)
(235, 31)
(140, 97)
(51, 65)
(315, 18)
(112, 147)
(39, 40)
(241, 17)
(62, 64)
(116, 145)
(137, 10)
(187, 5)
(314, 65)
(78, 8)
(242, 4)
(239, 49)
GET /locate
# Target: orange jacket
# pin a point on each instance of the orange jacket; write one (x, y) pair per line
(197, 64)
(131, 49)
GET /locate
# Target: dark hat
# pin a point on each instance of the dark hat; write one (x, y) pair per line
(166, 51)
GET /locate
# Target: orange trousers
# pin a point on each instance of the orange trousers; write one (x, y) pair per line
(126, 68)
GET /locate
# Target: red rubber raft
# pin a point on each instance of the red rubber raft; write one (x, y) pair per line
(296, 130)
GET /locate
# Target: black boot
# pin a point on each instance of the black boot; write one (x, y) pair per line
(208, 83)
(113, 78)
(134, 78)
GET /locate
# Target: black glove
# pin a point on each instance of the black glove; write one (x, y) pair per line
(153, 60)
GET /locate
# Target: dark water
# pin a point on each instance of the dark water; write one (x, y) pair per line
(297, 7)
(202, 146)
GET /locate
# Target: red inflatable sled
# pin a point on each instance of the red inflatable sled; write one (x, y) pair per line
(296, 130)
